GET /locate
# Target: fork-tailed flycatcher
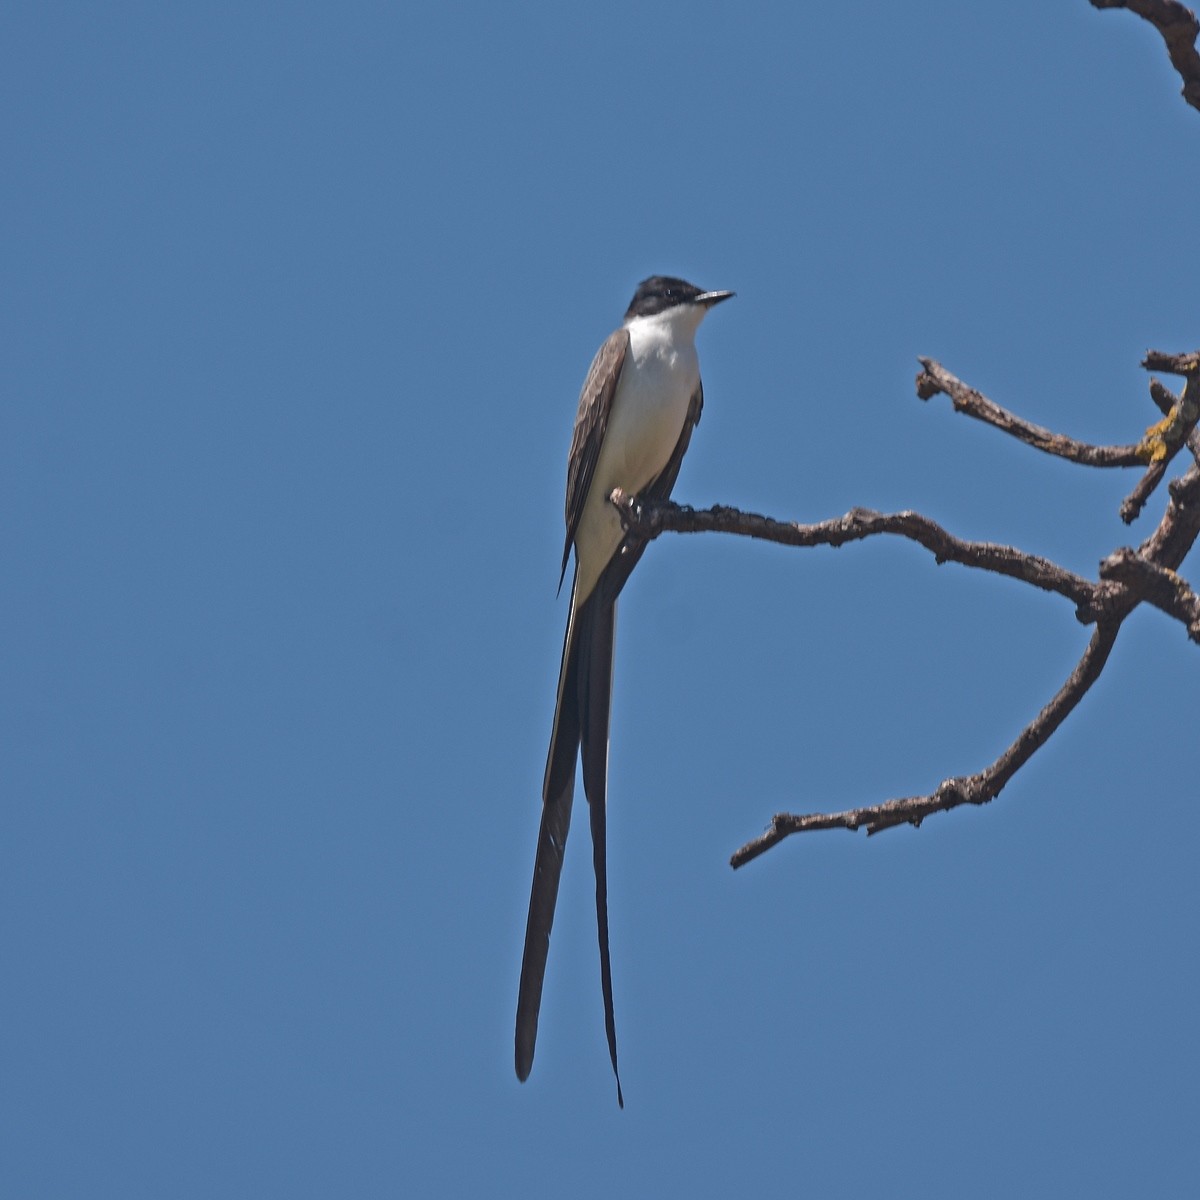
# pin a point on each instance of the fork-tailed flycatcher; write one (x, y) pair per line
(637, 409)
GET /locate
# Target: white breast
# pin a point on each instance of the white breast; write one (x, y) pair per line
(659, 378)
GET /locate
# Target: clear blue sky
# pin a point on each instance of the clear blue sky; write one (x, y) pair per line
(297, 303)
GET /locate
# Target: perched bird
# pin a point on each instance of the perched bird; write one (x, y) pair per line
(641, 399)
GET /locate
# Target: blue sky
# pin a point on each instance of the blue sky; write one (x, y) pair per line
(298, 302)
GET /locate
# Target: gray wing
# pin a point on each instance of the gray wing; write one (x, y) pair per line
(595, 403)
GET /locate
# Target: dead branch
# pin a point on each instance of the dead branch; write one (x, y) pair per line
(963, 789)
(1179, 29)
(1158, 446)
(648, 520)
(934, 379)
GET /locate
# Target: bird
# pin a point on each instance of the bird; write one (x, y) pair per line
(640, 402)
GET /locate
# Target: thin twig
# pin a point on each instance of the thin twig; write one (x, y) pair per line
(1176, 533)
(1132, 505)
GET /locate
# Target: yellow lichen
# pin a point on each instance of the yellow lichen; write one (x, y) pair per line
(1153, 447)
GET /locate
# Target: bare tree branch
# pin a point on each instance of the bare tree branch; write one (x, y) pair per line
(1173, 364)
(1159, 445)
(649, 519)
(1179, 29)
(1132, 505)
(935, 379)
(1176, 533)
(980, 788)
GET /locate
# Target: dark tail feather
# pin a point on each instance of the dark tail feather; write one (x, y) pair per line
(557, 794)
(552, 838)
(595, 667)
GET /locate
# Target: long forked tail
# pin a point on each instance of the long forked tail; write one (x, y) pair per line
(596, 671)
(557, 794)
(581, 718)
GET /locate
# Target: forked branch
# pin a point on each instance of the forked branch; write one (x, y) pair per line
(1126, 578)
